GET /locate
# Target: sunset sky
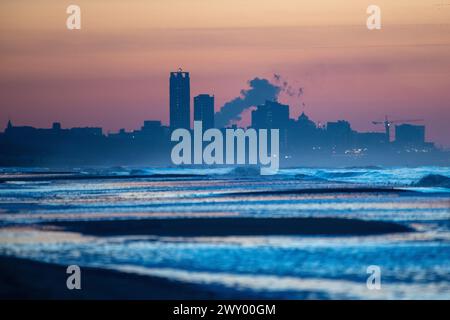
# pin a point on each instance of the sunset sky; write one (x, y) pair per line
(114, 72)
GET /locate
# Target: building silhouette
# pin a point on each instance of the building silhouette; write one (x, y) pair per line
(180, 100)
(273, 115)
(408, 134)
(270, 115)
(302, 142)
(340, 134)
(204, 110)
(304, 135)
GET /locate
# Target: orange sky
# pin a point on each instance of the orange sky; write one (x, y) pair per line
(114, 71)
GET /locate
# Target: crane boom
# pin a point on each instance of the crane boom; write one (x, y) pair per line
(387, 124)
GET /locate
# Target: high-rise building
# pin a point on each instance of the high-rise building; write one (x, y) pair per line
(204, 110)
(271, 115)
(410, 134)
(180, 100)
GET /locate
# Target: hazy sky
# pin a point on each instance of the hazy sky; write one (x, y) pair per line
(114, 71)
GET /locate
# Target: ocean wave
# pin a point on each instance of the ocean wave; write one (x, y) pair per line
(245, 171)
(433, 180)
(341, 174)
(307, 177)
(333, 288)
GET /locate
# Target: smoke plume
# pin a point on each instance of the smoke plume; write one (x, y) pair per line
(260, 90)
(286, 87)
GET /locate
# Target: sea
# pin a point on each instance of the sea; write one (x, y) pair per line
(413, 265)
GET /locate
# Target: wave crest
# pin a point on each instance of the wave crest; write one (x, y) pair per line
(434, 180)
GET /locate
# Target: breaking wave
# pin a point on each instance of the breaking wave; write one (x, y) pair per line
(434, 180)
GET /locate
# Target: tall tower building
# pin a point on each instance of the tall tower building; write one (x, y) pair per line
(180, 100)
(271, 115)
(204, 110)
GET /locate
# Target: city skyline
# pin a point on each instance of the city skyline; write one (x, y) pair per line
(297, 138)
(267, 113)
(96, 75)
(244, 151)
(245, 122)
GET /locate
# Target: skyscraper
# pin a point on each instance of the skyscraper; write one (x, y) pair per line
(271, 115)
(204, 110)
(180, 97)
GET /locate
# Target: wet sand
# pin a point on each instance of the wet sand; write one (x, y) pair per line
(27, 279)
(198, 227)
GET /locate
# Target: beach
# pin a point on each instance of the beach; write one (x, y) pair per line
(26, 279)
(176, 233)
